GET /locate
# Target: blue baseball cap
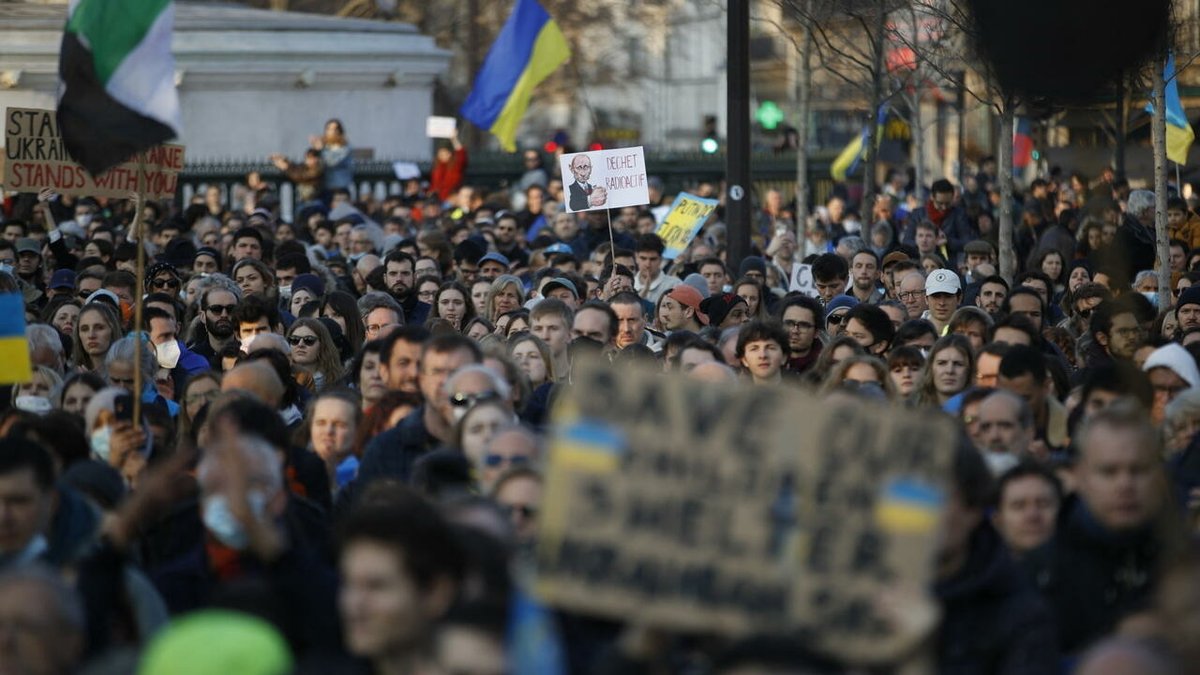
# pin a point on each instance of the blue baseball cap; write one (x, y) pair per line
(496, 257)
(62, 279)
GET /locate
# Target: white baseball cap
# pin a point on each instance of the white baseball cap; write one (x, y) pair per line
(942, 281)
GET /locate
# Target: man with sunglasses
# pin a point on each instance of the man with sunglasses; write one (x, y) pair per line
(86, 283)
(392, 453)
(217, 305)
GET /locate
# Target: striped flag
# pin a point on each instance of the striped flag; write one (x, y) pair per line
(855, 151)
(530, 47)
(15, 365)
(118, 79)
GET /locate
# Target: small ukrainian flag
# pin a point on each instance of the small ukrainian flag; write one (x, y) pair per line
(909, 506)
(530, 47)
(588, 446)
(15, 366)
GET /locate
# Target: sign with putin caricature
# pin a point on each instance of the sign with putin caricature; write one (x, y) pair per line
(605, 179)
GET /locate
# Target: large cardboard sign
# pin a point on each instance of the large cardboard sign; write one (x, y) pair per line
(605, 179)
(683, 222)
(36, 158)
(736, 509)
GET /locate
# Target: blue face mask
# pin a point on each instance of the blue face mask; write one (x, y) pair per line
(1152, 296)
(101, 442)
(220, 521)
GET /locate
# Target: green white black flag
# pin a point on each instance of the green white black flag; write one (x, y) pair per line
(118, 79)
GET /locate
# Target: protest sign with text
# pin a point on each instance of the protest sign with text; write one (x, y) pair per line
(741, 509)
(802, 280)
(36, 158)
(686, 217)
(437, 126)
(605, 179)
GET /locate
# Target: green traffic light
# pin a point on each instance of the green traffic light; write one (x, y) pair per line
(709, 145)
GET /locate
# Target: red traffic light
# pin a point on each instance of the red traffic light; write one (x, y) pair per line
(550, 146)
(596, 146)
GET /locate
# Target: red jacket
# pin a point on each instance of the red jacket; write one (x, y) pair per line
(446, 178)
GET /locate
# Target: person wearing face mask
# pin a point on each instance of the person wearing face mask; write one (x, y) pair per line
(169, 350)
(256, 536)
(118, 443)
(34, 396)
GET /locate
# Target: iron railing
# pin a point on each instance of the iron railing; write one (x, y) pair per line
(498, 171)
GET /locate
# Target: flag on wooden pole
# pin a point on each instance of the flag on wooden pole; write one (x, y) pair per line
(118, 79)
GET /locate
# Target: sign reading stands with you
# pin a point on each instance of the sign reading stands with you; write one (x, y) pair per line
(35, 157)
(605, 179)
(737, 510)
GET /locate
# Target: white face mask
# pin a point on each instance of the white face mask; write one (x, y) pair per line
(83, 219)
(101, 441)
(285, 292)
(6, 268)
(34, 404)
(1152, 296)
(168, 354)
(219, 519)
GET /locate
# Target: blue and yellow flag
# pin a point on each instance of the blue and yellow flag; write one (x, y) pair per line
(856, 150)
(15, 366)
(1179, 130)
(528, 49)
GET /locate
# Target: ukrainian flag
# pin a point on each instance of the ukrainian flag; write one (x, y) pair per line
(15, 366)
(528, 49)
(856, 150)
(1179, 131)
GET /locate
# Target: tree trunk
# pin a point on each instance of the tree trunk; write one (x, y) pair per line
(1004, 170)
(1158, 135)
(803, 103)
(877, 75)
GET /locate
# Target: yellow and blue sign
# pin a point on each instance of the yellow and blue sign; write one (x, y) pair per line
(15, 366)
(683, 222)
(908, 506)
(588, 446)
(530, 47)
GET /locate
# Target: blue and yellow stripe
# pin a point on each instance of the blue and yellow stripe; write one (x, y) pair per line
(589, 447)
(530, 47)
(15, 366)
(908, 506)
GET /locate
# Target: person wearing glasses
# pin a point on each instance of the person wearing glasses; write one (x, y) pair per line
(162, 278)
(314, 352)
(218, 299)
(799, 316)
(487, 418)
(392, 453)
(836, 310)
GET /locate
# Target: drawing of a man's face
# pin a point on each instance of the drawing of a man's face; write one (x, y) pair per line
(581, 168)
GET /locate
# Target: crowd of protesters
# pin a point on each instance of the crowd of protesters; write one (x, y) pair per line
(338, 461)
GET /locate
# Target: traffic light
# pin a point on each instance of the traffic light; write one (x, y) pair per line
(711, 142)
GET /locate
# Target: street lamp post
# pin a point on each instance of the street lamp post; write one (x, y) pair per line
(737, 155)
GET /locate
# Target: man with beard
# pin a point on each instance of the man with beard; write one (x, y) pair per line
(216, 306)
(398, 275)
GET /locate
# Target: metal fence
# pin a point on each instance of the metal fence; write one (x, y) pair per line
(498, 171)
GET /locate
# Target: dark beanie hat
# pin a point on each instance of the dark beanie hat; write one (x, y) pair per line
(717, 307)
(1189, 297)
(752, 263)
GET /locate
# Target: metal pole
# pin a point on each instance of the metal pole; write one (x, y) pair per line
(737, 155)
(138, 292)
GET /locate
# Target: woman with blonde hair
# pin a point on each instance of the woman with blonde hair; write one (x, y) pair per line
(96, 328)
(506, 294)
(949, 371)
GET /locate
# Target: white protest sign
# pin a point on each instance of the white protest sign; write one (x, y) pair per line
(440, 127)
(802, 280)
(605, 179)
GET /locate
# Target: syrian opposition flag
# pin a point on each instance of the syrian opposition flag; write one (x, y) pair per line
(118, 79)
